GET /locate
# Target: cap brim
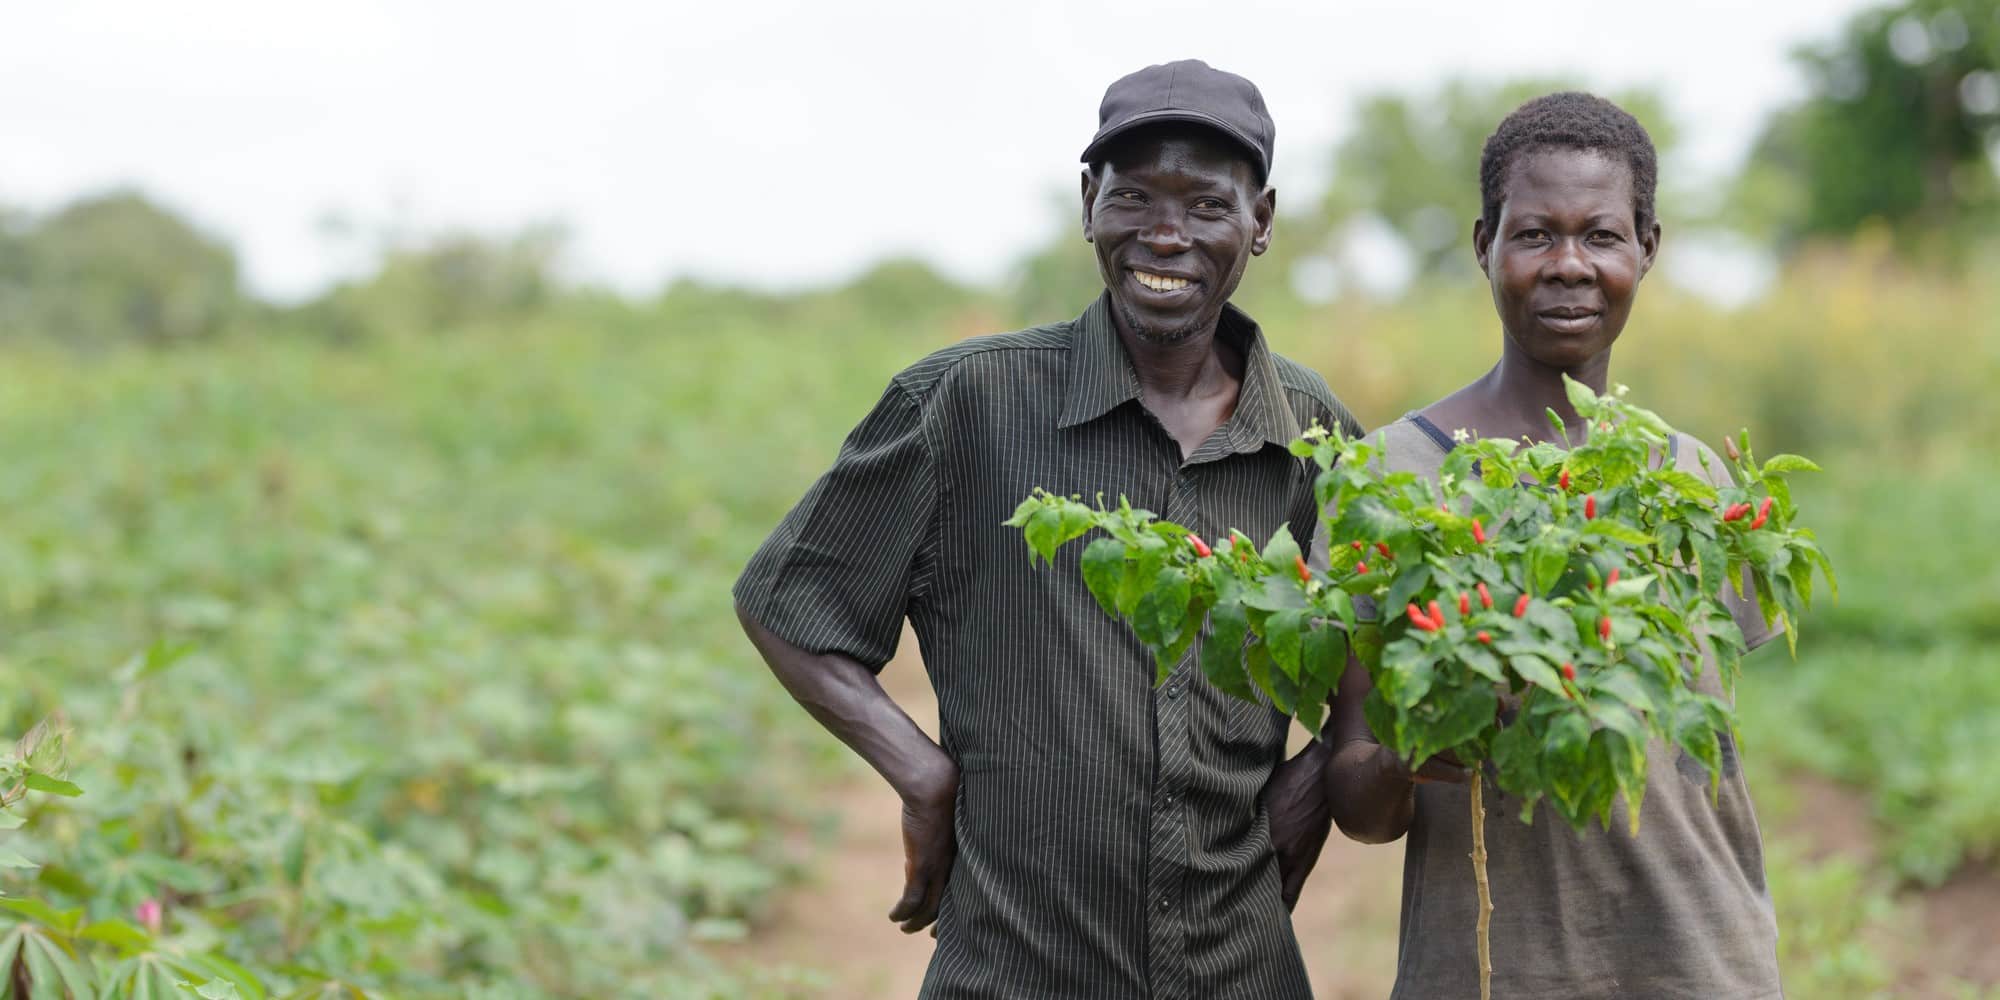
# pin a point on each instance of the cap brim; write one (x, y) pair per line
(1106, 137)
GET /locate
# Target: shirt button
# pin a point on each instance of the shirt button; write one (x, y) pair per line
(1166, 904)
(1173, 690)
(1168, 799)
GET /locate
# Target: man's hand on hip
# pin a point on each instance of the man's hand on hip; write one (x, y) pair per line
(929, 848)
(1295, 799)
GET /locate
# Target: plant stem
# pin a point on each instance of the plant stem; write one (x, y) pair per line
(1485, 889)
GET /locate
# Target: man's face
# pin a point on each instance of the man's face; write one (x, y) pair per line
(1175, 215)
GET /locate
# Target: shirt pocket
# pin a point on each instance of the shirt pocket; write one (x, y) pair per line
(1252, 732)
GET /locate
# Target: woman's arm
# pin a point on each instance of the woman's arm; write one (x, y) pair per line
(1372, 793)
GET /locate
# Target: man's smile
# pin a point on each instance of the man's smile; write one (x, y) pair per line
(1161, 282)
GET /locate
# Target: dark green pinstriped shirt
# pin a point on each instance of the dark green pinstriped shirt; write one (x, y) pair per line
(1111, 843)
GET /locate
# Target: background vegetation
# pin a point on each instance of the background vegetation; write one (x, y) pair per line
(391, 632)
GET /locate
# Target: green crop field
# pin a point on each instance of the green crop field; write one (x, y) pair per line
(408, 663)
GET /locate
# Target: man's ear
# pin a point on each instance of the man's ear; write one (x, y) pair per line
(1089, 199)
(1482, 243)
(1649, 248)
(1265, 213)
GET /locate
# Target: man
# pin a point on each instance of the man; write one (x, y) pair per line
(1080, 832)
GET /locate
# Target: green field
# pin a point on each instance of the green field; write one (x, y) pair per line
(464, 712)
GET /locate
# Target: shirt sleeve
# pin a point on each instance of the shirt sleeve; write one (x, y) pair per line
(1749, 618)
(838, 574)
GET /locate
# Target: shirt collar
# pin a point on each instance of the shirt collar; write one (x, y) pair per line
(1101, 377)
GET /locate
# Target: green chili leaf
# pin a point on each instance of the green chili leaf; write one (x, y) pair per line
(1782, 464)
(1044, 533)
(1222, 652)
(1103, 571)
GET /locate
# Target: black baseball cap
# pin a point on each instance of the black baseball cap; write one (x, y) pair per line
(1186, 91)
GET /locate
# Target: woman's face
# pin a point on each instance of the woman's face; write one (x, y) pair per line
(1565, 255)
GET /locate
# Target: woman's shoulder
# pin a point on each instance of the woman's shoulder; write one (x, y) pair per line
(1409, 445)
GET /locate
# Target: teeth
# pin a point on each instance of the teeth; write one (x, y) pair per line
(1160, 282)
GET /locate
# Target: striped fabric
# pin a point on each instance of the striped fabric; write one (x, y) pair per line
(1110, 839)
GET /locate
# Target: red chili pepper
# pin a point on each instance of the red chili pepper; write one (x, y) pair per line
(1520, 605)
(1437, 613)
(1361, 567)
(1569, 671)
(1562, 481)
(1613, 578)
(1590, 508)
(1305, 575)
(1358, 544)
(1729, 448)
(1484, 637)
(1763, 514)
(1604, 628)
(1464, 604)
(1423, 621)
(1485, 599)
(1478, 532)
(1735, 512)
(1383, 547)
(1200, 547)
(1243, 553)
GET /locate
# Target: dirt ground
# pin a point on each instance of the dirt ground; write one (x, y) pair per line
(835, 923)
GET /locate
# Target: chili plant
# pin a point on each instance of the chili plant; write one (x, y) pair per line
(1576, 585)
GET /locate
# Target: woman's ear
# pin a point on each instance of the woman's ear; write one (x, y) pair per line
(1649, 248)
(1482, 243)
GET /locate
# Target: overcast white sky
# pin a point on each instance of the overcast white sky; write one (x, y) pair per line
(765, 141)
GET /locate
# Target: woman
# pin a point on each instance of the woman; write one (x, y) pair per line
(1565, 235)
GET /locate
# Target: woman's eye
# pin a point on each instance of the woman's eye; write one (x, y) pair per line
(1532, 236)
(1604, 236)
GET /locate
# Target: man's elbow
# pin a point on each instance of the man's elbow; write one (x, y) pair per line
(773, 650)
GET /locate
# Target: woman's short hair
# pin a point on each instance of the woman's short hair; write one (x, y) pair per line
(1569, 119)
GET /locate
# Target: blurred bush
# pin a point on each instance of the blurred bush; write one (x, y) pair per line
(1900, 127)
(113, 268)
(441, 285)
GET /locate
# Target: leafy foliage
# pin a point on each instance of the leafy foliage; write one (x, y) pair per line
(111, 268)
(1908, 725)
(1900, 127)
(462, 710)
(1599, 590)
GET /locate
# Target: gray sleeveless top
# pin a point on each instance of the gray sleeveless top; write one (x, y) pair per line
(1680, 911)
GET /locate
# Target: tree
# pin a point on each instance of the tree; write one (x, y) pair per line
(1900, 127)
(115, 267)
(447, 282)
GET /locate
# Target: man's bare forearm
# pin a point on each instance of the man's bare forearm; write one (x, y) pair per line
(847, 699)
